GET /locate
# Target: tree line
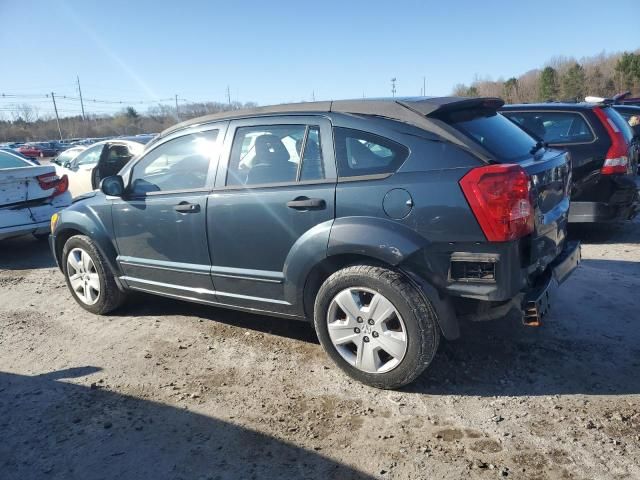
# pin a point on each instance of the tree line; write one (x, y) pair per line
(564, 78)
(26, 125)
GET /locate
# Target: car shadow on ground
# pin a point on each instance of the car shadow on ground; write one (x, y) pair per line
(52, 428)
(142, 305)
(588, 344)
(25, 253)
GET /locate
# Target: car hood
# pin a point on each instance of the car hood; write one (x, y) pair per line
(84, 196)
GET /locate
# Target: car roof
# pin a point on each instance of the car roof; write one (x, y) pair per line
(404, 109)
(117, 140)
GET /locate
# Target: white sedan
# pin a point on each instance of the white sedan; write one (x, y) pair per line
(29, 195)
(98, 161)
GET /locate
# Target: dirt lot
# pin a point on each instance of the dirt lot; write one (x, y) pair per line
(171, 390)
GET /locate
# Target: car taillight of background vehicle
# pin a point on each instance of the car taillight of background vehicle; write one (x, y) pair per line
(51, 180)
(616, 160)
(500, 199)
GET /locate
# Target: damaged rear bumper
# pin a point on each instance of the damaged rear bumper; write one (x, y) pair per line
(532, 303)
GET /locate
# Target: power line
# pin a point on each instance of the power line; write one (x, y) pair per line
(30, 96)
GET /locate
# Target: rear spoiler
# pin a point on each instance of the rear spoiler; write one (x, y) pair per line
(432, 108)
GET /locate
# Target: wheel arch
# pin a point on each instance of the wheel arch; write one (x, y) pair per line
(442, 304)
(70, 226)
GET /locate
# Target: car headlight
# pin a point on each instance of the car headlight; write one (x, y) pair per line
(54, 221)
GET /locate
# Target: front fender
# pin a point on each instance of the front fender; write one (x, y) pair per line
(384, 240)
(89, 221)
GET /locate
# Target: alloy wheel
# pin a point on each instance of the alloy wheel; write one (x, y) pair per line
(83, 276)
(367, 330)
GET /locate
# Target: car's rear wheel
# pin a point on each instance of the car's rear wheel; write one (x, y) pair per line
(376, 325)
(88, 276)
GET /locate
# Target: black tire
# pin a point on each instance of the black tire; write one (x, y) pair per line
(110, 296)
(418, 315)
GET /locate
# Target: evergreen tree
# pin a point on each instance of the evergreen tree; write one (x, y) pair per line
(573, 83)
(548, 84)
(628, 71)
(510, 88)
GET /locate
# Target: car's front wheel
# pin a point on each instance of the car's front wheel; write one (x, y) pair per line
(88, 276)
(376, 325)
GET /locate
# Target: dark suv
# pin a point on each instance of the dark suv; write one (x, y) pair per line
(383, 221)
(604, 155)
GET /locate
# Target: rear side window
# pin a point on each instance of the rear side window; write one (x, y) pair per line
(274, 154)
(494, 132)
(554, 127)
(363, 153)
(90, 156)
(11, 161)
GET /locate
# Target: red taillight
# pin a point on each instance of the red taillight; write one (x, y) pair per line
(51, 180)
(616, 160)
(500, 199)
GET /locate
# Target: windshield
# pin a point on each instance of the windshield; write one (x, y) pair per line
(494, 132)
(67, 156)
(8, 160)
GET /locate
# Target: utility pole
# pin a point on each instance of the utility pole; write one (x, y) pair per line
(177, 113)
(424, 86)
(228, 95)
(81, 102)
(393, 87)
(57, 118)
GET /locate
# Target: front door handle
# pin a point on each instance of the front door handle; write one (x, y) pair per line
(186, 207)
(304, 203)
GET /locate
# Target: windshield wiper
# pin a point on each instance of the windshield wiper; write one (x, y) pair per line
(539, 145)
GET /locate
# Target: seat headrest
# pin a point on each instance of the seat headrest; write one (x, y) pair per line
(270, 150)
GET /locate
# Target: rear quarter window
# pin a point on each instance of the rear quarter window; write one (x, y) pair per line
(361, 153)
(505, 140)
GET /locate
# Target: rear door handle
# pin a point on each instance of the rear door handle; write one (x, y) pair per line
(304, 203)
(186, 207)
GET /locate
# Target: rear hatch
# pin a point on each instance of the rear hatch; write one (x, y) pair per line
(20, 191)
(549, 174)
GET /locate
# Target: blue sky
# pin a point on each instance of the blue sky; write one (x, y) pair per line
(280, 51)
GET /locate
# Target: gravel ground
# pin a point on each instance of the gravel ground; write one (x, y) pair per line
(166, 389)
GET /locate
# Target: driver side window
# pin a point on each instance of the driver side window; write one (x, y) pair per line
(89, 156)
(179, 164)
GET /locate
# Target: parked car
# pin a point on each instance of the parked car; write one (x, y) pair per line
(394, 218)
(40, 150)
(32, 160)
(603, 154)
(59, 147)
(65, 158)
(98, 161)
(29, 195)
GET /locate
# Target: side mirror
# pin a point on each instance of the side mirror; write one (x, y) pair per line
(112, 186)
